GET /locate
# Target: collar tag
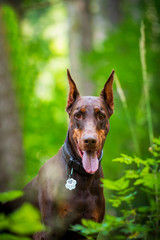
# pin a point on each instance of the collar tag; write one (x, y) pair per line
(70, 182)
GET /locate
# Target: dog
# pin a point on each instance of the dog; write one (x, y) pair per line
(68, 186)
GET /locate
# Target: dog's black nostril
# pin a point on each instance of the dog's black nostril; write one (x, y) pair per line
(90, 140)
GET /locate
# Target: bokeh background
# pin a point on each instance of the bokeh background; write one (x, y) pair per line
(39, 40)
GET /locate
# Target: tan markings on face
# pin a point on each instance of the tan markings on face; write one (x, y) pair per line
(83, 110)
(107, 125)
(96, 109)
(77, 135)
(101, 135)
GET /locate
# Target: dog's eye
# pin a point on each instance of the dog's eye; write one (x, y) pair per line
(78, 116)
(101, 116)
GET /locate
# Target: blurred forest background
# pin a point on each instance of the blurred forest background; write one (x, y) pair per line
(39, 40)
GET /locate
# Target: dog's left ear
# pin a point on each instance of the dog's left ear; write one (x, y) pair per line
(107, 93)
(73, 92)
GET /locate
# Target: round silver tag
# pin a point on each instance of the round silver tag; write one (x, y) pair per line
(71, 183)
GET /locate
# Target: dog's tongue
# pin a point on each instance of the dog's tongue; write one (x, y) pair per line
(90, 161)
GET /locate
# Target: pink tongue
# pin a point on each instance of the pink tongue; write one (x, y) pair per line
(90, 161)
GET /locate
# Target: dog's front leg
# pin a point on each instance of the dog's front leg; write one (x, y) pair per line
(45, 206)
(49, 214)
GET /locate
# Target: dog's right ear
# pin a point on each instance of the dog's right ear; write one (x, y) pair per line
(73, 92)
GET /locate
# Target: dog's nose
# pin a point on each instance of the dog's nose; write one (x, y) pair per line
(89, 140)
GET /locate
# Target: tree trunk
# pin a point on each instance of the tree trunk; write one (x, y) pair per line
(11, 153)
(80, 42)
(112, 11)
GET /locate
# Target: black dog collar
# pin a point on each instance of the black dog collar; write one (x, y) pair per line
(74, 163)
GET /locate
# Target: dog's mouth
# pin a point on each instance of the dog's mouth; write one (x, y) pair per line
(89, 160)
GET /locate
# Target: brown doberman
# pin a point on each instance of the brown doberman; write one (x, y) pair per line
(68, 187)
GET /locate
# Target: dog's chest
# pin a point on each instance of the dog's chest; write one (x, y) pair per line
(86, 200)
(81, 204)
(85, 204)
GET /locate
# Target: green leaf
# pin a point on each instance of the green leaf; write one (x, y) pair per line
(6, 236)
(109, 184)
(151, 161)
(126, 191)
(139, 181)
(157, 141)
(124, 159)
(143, 209)
(129, 160)
(131, 174)
(149, 181)
(25, 220)
(145, 171)
(10, 195)
(115, 202)
(139, 161)
(117, 185)
(89, 227)
(114, 221)
(129, 197)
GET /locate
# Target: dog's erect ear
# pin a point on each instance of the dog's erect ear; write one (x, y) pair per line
(107, 93)
(73, 92)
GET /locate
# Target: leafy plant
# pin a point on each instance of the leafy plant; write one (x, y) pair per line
(10, 195)
(22, 222)
(135, 221)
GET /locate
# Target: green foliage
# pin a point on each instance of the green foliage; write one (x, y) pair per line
(6, 236)
(136, 221)
(37, 46)
(89, 228)
(39, 76)
(118, 185)
(22, 222)
(10, 196)
(25, 220)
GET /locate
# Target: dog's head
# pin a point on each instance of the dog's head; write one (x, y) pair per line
(89, 122)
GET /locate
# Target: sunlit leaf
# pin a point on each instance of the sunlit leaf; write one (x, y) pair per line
(151, 161)
(115, 202)
(134, 235)
(126, 191)
(131, 174)
(25, 220)
(145, 171)
(139, 181)
(129, 197)
(10, 195)
(109, 184)
(157, 141)
(89, 227)
(124, 159)
(149, 181)
(118, 185)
